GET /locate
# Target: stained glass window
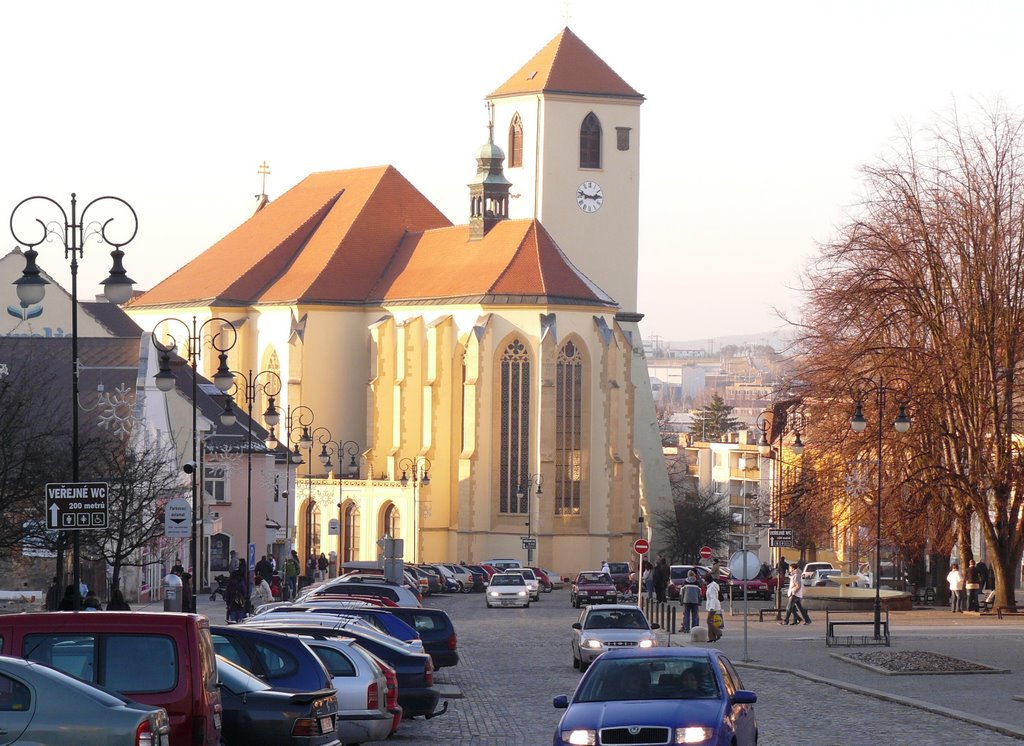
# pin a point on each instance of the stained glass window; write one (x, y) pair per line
(568, 430)
(515, 427)
(590, 142)
(515, 142)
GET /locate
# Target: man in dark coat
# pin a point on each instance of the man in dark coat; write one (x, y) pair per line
(660, 578)
(264, 569)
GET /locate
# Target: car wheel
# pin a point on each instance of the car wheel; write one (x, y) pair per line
(527, 604)
(583, 666)
(548, 589)
(575, 603)
(575, 662)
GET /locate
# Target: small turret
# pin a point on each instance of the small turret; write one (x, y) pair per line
(488, 191)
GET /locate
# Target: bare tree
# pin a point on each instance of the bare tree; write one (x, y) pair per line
(923, 292)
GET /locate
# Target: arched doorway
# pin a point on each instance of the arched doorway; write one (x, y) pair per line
(391, 522)
(311, 531)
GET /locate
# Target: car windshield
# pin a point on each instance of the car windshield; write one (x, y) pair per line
(236, 678)
(616, 619)
(618, 568)
(508, 580)
(678, 572)
(648, 678)
(592, 578)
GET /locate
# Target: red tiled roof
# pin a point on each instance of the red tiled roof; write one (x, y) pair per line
(515, 258)
(325, 240)
(566, 65)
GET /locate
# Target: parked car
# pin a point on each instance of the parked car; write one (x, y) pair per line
(556, 580)
(410, 584)
(416, 691)
(606, 627)
(362, 689)
(352, 625)
(755, 587)
(436, 579)
(620, 572)
(507, 589)
(379, 618)
(423, 578)
(256, 714)
(503, 564)
(532, 581)
(821, 577)
(542, 577)
(670, 695)
(480, 577)
(592, 587)
(282, 661)
(462, 575)
(451, 583)
(677, 574)
(436, 631)
(105, 648)
(812, 567)
(397, 593)
(42, 705)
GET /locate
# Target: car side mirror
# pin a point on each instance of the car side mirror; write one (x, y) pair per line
(577, 625)
(655, 625)
(561, 702)
(743, 697)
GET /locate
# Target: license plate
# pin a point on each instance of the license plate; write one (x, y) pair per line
(326, 725)
(507, 603)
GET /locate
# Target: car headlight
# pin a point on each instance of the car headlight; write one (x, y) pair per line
(647, 643)
(581, 737)
(595, 644)
(521, 593)
(694, 734)
(493, 594)
(583, 593)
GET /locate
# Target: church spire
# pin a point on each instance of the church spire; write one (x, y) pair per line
(488, 191)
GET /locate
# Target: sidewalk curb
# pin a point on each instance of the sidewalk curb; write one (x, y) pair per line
(993, 725)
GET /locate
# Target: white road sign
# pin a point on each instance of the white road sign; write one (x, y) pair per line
(178, 519)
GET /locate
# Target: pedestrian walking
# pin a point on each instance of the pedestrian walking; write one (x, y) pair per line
(714, 608)
(67, 602)
(956, 588)
(311, 568)
(236, 598)
(117, 602)
(261, 593)
(322, 564)
(660, 577)
(983, 581)
(689, 596)
(795, 593)
(264, 569)
(187, 599)
(648, 579)
(972, 584)
(53, 595)
(291, 573)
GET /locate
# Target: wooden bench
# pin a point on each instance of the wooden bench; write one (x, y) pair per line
(1008, 610)
(831, 624)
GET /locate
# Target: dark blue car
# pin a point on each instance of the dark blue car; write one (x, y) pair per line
(387, 623)
(281, 660)
(659, 696)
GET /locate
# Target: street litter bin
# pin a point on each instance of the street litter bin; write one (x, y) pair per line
(172, 592)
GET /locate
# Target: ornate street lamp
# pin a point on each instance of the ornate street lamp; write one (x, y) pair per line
(222, 379)
(863, 387)
(296, 433)
(72, 233)
(340, 448)
(420, 468)
(526, 483)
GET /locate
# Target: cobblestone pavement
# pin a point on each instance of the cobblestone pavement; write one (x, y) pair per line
(515, 660)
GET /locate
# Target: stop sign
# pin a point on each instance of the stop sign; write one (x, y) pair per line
(641, 546)
(705, 552)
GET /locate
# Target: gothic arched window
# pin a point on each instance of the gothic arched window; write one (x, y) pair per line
(590, 142)
(391, 525)
(350, 544)
(515, 142)
(515, 427)
(568, 430)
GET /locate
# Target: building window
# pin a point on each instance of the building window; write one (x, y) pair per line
(568, 430)
(515, 427)
(391, 525)
(350, 544)
(622, 138)
(590, 142)
(215, 483)
(515, 142)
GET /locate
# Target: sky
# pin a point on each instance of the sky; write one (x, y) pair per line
(758, 116)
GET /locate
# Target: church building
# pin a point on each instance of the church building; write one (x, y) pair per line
(477, 390)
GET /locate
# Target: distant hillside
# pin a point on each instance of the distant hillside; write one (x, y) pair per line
(777, 339)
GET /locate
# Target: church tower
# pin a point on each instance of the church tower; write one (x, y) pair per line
(488, 191)
(573, 130)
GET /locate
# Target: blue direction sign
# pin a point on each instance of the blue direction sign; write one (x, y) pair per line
(74, 506)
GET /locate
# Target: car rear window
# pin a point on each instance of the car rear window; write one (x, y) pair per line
(110, 660)
(14, 696)
(336, 663)
(618, 567)
(427, 622)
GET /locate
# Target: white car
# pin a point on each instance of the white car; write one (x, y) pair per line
(462, 576)
(604, 627)
(507, 589)
(502, 564)
(532, 581)
(557, 581)
(811, 568)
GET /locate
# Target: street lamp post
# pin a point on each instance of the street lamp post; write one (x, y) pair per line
(420, 468)
(340, 448)
(72, 233)
(296, 433)
(223, 380)
(253, 387)
(526, 483)
(879, 388)
(766, 450)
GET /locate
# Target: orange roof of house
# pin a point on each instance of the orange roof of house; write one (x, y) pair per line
(327, 239)
(516, 259)
(566, 65)
(368, 236)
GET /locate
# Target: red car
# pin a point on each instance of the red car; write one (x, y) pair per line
(591, 587)
(545, 581)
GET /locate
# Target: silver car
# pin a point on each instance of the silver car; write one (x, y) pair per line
(507, 589)
(359, 681)
(532, 581)
(606, 627)
(44, 705)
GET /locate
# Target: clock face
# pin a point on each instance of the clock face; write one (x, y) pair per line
(589, 196)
